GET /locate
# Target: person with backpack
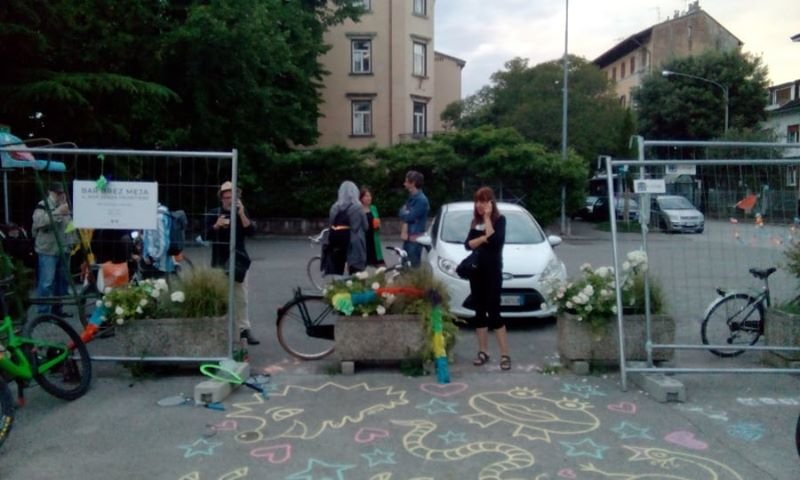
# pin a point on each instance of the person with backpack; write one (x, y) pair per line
(218, 231)
(51, 217)
(156, 259)
(346, 237)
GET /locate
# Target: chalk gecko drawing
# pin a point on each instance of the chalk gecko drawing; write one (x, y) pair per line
(414, 443)
(669, 464)
(533, 415)
(295, 421)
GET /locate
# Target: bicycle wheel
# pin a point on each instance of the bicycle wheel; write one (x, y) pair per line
(51, 336)
(6, 411)
(315, 273)
(305, 328)
(736, 320)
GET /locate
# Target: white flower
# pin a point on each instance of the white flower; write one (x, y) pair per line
(107, 290)
(363, 275)
(143, 302)
(580, 319)
(349, 283)
(613, 309)
(626, 266)
(586, 267)
(376, 285)
(108, 303)
(380, 310)
(588, 308)
(155, 293)
(119, 311)
(365, 314)
(120, 321)
(139, 310)
(588, 290)
(325, 291)
(390, 299)
(98, 303)
(161, 284)
(177, 297)
(569, 304)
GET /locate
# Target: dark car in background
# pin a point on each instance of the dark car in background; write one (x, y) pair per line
(597, 210)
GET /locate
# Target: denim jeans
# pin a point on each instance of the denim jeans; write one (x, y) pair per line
(51, 279)
(414, 251)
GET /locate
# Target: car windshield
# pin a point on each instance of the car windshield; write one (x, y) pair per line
(591, 200)
(631, 203)
(521, 228)
(675, 203)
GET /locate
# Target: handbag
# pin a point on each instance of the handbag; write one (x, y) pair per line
(468, 267)
(242, 264)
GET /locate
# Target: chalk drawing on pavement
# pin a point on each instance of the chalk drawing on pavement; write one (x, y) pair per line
(452, 437)
(232, 475)
(388, 476)
(443, 389)
(275, 454)
(584, 448)
(669, 464)
(685, 439)
(356, 403)
(379, 457)
(515, 458)
(627, 430)
(436, 406)
(768, 401)
(709, 412)
(623, 407)
(533, 416)
(319, 469)
(200, 446)
(747, 431)
(583, 391)
(370, 434)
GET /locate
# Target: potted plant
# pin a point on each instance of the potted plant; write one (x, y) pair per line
(386, 315)
(183, 318)
(587, 320)
(782, 320)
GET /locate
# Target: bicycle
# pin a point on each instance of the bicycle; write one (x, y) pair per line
(305, 323)
(314, 266)
(6, 410)
(736, 318)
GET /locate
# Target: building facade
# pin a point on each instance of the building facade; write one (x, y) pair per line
(783, 115)
(688, 33)
(386, 82)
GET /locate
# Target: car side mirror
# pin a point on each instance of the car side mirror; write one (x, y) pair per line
(554, 240)
(424, 240)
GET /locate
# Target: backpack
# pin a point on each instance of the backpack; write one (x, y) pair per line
(177, 232)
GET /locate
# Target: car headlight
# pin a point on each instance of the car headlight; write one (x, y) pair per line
(673, 217)
(448, 267)
(553, 270)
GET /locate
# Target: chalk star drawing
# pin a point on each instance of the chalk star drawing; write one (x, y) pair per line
(515, 458)
(534, 416)
(583, 391)
(669, 464)
(747, 431)
(627, 430)
(379, 457)
(435, 406)
(232, 475)
(292, 420)
(199, 447)
(388, 476)
(584, 448)
(452, 437)
(319, 470)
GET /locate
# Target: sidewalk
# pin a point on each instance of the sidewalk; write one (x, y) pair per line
(381, 425)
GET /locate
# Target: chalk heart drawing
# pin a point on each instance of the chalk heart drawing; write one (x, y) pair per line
(686, 439)
(443, 390)
(226, 426)
(567, 473)
(369, 435)
(623, 407)
(275, 454)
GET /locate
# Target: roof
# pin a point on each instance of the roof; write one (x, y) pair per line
(788, 106)
(459, 61)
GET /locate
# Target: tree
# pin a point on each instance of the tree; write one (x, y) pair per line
(678, 107)
(530, 99)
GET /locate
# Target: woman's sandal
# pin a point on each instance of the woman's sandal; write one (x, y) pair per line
(505, 362)
(480, 359)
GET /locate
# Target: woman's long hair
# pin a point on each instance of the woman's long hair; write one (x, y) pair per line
(348, 195)
(484, 194)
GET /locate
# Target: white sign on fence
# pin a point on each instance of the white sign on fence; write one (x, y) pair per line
(121, 205)
(681, 169)
(649, 186)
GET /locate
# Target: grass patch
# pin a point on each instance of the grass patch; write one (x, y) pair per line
(624, 227)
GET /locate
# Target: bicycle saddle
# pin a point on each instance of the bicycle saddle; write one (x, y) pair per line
(762, 273)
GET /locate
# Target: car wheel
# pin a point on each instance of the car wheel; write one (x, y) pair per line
(700, 230)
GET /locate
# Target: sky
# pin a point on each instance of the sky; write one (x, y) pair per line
(488, 33)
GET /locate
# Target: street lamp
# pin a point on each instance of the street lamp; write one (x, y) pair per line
(667, 73)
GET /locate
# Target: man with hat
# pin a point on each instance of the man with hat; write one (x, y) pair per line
(51, 217)
(218, 231)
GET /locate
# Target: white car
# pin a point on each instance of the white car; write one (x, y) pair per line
(674, 213)
(528, 260)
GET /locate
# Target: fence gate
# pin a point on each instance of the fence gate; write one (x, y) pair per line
(743, 211)
(183, 180)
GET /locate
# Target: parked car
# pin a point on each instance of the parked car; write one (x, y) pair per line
(674, 213)
(585, 212)
(600, 209)
(528, 260)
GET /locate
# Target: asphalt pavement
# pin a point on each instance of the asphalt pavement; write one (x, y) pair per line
(535, 422)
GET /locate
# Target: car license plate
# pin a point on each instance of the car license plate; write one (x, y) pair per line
(511, 300)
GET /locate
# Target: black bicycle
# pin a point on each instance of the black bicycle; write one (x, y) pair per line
(305, 323)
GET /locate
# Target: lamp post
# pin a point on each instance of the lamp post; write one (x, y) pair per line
(668, 73)
(564, 119)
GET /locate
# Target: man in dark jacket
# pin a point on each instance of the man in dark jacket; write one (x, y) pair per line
(218, 231)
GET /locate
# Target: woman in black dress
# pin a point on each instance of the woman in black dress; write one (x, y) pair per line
(487, 235)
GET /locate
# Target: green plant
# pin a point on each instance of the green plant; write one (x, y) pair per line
(200, 293)
(591, 297)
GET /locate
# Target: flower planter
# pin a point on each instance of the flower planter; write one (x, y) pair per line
(578, 341)
(175, 337)
(781, 329)
(378, 338)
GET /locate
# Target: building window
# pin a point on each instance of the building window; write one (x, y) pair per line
(613, 74)
(622, 101)
(362, 117)
(362, 56)
(633, 65)
(622, 70)
(793, 134)
(420, 7)
(420, 119)
(781, 95)
(420, 59)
